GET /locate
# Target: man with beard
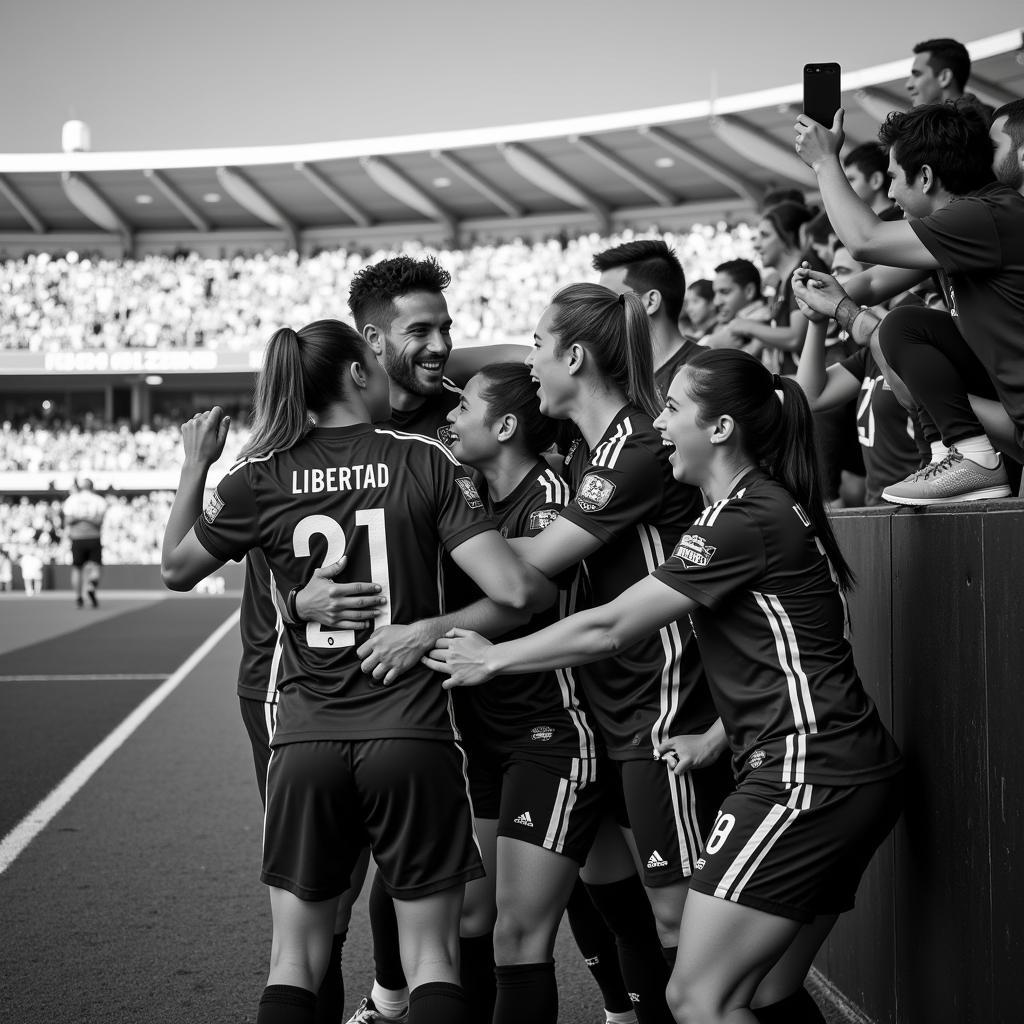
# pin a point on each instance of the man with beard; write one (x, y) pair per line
(974, 241)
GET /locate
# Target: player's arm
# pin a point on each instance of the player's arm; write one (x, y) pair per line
(463, 363)
(489, 561)
(591, 635)
(788, 339)
(558, 547)
(697, 750)
(183, 560)
(866, 236)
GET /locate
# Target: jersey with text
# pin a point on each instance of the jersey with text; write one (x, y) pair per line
(891, 439)
(978, 242)
(625, 496)
(388, 501)
(771, 625)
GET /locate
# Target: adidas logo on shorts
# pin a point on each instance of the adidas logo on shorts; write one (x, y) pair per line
(525, 819)
(657, 861)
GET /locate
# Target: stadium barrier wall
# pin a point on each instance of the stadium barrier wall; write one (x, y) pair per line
(938, 931)
(226, 580)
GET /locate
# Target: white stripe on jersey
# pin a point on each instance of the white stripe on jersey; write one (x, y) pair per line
(671, 642)
(608, 451)
(570, 701)
(275, 661)
(788, 652)
(835, 579)
(400, 435)
(556, 490)
(251, 459)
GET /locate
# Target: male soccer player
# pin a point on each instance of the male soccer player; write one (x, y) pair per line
(84, 510)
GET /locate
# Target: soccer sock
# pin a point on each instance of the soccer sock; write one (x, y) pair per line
(476, 956)
(799, 1008)
(286, 1004)
(597, 944)
(387, 958)
(939, 451)
(624, 906)
(330, 997)
(389, 1002)
(526, 992)
(978, 449)
(438, 1002)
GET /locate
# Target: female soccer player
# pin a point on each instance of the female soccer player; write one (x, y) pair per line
(593, 363)
(353, 763)
(763, 579)
(532, 752)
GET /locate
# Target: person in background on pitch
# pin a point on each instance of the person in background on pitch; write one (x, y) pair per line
(83, 511)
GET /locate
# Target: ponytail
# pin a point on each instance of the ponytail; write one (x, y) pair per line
(616, 332)
(776, 434)
(302, 373)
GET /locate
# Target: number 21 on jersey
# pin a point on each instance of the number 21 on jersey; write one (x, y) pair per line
(331, 530)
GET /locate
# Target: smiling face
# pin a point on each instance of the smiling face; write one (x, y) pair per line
(922, 84)
(908, 197)
(473, 436)
(730, 297)
(550, 369)
(418, 342)
(680, 430)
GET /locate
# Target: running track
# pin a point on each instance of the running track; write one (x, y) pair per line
(139, 901)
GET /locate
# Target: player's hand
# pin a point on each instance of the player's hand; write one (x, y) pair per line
(338, 605)
(391, 651)
(204, 435)
(815, 143)
(462, 656)
(684, 753)
(818, 294)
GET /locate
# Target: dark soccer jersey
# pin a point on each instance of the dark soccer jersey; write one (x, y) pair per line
(890, 438)
(626, 497)
(663, 374)
(978, 242)
(262, 631)
(772, 631)
(386, 499)
(538, 713)
(431, 417)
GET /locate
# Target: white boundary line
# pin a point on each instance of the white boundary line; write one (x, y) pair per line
(43, 813)
(142, 677)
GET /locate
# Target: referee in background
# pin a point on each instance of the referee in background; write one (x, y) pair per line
(84, 510)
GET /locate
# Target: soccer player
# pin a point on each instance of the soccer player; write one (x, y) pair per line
(84, 510)
(817, 773)
(592, 359)
(353, 762)
(532, 751)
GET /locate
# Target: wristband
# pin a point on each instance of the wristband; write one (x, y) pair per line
(843, 312)
(289, 603)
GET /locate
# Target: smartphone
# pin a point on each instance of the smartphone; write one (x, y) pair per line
(822, 92)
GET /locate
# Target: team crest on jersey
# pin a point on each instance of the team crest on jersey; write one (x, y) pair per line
(693, 549)
(444, 435)
(469, 492)
(757, 758)
(543, 518)
(595, 492)
(542, 733)
(213, 507)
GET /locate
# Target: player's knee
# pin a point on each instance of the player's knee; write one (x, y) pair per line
(691, 999)
(516, 939)
(477, 919)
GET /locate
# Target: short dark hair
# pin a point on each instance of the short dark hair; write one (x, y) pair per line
(952, 138)
(947, 53)
(743, 272)
(774, 196)
(704, 288)
(650, 264)
(868, 158)
(375, 288)
(1014, 114)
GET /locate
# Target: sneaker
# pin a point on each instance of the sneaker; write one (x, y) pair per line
(93, 599)
(79, 603)
(367, 1013)
(954, 478)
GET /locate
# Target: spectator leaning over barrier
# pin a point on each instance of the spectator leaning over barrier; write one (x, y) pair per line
(650, 269)
(969, 231)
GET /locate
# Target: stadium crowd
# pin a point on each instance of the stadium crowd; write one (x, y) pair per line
(74, 302)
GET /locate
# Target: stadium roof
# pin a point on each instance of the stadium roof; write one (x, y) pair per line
(702, 160)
